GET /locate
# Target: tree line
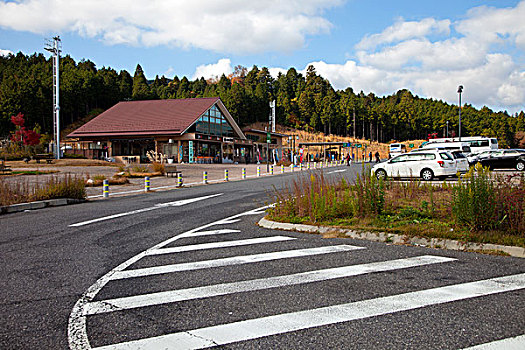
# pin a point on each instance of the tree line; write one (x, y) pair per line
(303, 101)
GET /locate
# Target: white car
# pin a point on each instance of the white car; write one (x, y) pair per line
(425, 164)
(462, 165)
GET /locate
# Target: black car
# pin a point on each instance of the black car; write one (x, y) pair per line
(505, 159)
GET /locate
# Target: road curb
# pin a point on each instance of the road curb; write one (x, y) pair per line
(436, 243)
(39, 205)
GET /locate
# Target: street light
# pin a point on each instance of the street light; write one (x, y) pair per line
(447, 129)
(460, 90)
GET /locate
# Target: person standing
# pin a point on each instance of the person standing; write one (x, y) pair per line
(370, 156)
(377, 157)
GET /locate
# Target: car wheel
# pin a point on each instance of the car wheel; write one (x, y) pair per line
(381, 174)
(520, 166)
(427, 174)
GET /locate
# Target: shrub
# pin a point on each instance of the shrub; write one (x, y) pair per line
(140, 169)
(158, 167)
(474, 200)
(370, 193)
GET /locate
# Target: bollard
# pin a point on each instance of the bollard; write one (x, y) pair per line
(179, 179)
(292, 168)
(271, 169)
(105, 188)
(146, 184)
(308, 166)
(258, 171)
(226, 175)
(301, 166)
(244, 173)
(282, 168)
(204, 177)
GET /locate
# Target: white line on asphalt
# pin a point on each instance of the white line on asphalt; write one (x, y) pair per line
(157, 206)
(223, 244)
(257, 284)
(515, 343)
(294, 321)
(77, 328)
(235, 260)
(336, 171)
(214, 232)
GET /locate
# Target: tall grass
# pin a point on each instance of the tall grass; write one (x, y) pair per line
(55, 187)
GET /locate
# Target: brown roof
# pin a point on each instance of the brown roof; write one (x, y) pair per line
(153, 117)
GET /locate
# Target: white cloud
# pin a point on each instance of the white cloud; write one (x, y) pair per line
(231, 26)
(428, 59)
(405, 30)
(214, 70)
(5, 52)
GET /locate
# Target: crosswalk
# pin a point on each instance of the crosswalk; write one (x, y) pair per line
(281, 250)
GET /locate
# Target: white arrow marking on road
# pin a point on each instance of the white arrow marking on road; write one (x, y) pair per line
(235, 260)
(214, 245)
(157, 206)
(295, 321)
(257, 284)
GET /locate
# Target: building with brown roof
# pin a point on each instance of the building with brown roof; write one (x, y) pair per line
(195, 130)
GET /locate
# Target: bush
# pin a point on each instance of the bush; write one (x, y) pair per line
(158, 167)
(140, 169)
(474, 200)
(370, 193)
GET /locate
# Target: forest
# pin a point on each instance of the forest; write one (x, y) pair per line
(304, 102)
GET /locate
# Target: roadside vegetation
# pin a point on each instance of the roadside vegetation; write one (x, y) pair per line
(481, 207)
(21, 191)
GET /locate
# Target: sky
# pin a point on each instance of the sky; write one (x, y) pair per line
(429, 47)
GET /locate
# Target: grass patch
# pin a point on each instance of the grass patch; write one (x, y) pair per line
(481, 208)
(33, 172)
(67, 186)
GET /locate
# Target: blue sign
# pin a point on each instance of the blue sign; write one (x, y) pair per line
(190, 152)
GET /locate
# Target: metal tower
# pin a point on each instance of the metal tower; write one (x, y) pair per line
(55, 47)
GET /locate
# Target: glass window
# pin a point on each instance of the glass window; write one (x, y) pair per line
(400, 159)
(446, 156)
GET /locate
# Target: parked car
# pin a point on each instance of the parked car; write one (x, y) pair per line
(505, 159)
(473, 158)
(425, 164)
(462, 164)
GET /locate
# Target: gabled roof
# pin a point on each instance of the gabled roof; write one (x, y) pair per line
(152, 117)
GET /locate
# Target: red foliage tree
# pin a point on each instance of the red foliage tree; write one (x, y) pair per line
(26, 136)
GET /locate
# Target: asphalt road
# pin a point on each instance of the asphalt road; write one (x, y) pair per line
(189, 268)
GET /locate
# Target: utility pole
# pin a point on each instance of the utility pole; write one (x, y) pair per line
(55, 47)
(460, 90)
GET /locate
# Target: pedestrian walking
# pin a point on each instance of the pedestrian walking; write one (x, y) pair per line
(377, 157)
(347, 158)
(370, 156)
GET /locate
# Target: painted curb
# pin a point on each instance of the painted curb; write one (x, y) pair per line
(436, 243)
(39, 205)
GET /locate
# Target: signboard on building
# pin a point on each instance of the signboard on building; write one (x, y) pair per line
(190, 151)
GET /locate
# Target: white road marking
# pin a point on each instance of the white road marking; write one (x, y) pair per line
(515, 343)
(290, 322)
(236, 260)
(77, 329)
(151, 299)
(336, 171)
(214, 232)
(157, 206)
(223, 244)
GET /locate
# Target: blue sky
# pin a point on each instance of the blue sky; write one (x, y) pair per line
(429, 47)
